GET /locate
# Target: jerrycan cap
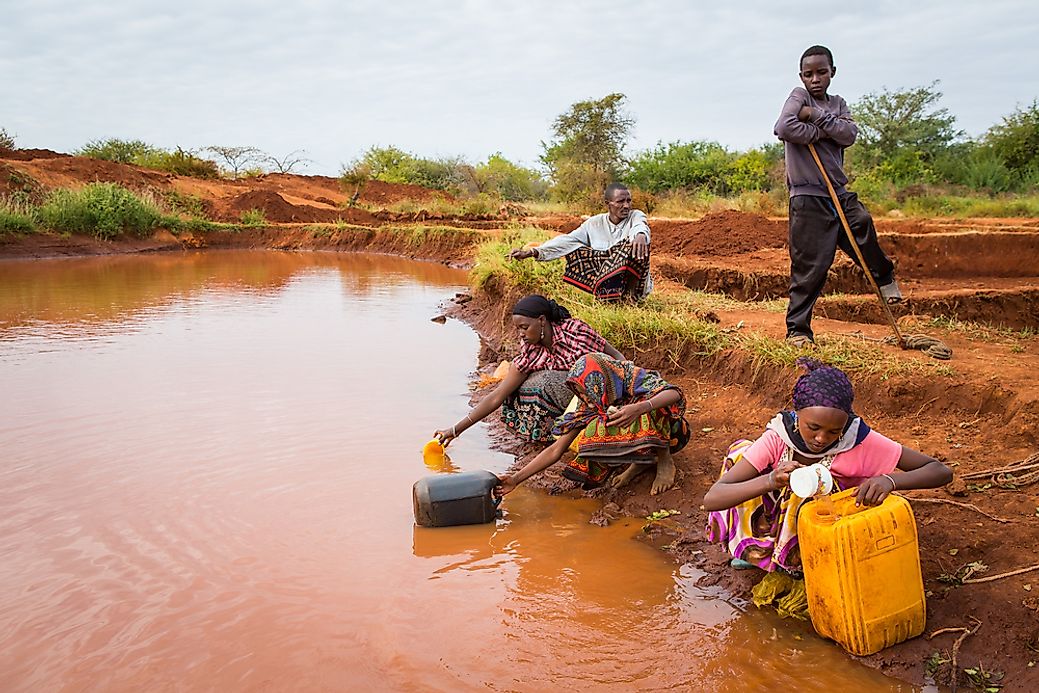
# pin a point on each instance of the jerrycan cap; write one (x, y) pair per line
(810, 481)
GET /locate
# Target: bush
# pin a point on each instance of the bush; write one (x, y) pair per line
(6, 141)
(705, 166)
(102, 209)
(15, 217)
(253, 217)
(1016, 139)
(121, 151)
(393, 165)
(180, 162)
(509, 181)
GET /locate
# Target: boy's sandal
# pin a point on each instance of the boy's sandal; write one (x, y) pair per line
(740, 564)
(891, 293)
(800, 341)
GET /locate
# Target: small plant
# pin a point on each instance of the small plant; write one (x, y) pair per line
(934, 663)
(657, 516)
(15, 216)
(253, 218)
(984, 681)
(6, 141)
(963, 574)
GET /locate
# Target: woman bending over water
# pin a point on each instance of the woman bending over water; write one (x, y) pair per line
(533, 392)
(752, 509)
(629, 417)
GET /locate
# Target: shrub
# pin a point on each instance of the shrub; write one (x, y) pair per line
(15, 216)
(509, 181)
(121, 151)
(1016, 139)
(253, 217)
(180, 162)
(6, 141)
(102, 209)
(393, 165)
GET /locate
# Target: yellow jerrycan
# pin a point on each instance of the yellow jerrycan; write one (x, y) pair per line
(862, 571)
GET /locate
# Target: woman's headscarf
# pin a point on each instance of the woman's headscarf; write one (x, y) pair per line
(820, 386)
(534, 306)
(600, 381)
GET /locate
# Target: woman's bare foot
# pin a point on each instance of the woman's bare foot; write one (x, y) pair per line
(665, 478)
(627, 475)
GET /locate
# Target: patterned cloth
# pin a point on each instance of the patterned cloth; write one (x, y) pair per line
(532, 409)
(609, 275)
(571, 339)
(762, 530)
(822, 386)
(600, 383)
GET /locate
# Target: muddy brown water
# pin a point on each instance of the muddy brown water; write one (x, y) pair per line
(205, 472)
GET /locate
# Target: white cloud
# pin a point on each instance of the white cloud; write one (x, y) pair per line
(471, 78)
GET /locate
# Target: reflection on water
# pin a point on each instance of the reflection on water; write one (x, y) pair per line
(205, 474)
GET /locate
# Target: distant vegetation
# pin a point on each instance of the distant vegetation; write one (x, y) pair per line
(227, 161)
(909, 156)
(6, 141)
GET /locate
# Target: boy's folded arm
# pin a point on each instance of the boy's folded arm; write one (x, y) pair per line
(839, 127)
(790, 129)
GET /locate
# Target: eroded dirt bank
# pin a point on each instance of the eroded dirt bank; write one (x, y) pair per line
(972, 424)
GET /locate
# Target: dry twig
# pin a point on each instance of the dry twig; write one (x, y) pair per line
(956, 650)
(990, 578)
(968, 506)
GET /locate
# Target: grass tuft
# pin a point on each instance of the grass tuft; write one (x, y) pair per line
(104, 210)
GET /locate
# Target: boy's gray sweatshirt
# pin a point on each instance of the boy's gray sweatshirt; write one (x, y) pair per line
(830, 129)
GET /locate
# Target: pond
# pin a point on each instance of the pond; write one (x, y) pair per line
(206, 463)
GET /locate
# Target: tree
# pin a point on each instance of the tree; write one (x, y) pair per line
(288, 162)
(6, 141)
(1016, 139)
(891, 122)
(587, 147)
(237, 158)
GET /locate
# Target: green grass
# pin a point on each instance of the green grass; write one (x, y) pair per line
(675, 321)
(104, 210)
(976, 331)
(252, 218)
(16, 216)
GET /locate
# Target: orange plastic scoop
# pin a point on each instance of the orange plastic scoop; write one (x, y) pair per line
(433, 447)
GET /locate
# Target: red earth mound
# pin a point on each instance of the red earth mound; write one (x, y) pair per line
(30, 154)
(729, 232)
(277, 210)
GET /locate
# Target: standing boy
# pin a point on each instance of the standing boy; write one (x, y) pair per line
(811, 115)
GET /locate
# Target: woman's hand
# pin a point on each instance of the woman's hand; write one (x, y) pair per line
(623, 416)
(781, 474)
(506, 486)
(874, 490)
(445, 436)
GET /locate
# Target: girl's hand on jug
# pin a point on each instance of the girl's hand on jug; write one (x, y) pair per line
(506, 486)
(781, 474)
(874, 490)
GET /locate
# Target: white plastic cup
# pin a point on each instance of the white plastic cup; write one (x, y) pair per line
(813, 480)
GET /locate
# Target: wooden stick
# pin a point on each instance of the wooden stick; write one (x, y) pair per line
(1022, 466)
(947, 630)
(990, 578)
(956, 651)
(968, 506)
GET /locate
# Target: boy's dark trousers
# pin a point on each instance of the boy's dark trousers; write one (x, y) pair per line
(815, 234)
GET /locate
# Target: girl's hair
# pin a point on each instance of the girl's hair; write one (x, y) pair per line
(534, 306)
(822, 386)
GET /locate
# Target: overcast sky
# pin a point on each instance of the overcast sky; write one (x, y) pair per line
(334, 77)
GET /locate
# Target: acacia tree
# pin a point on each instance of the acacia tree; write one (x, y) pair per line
(587, 148)
(895, 124)
(237, 159)
(288, 162)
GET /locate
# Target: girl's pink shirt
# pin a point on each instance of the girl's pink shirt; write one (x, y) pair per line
(875, 455)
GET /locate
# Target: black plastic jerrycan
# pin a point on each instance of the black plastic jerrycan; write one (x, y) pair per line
(455, 499)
